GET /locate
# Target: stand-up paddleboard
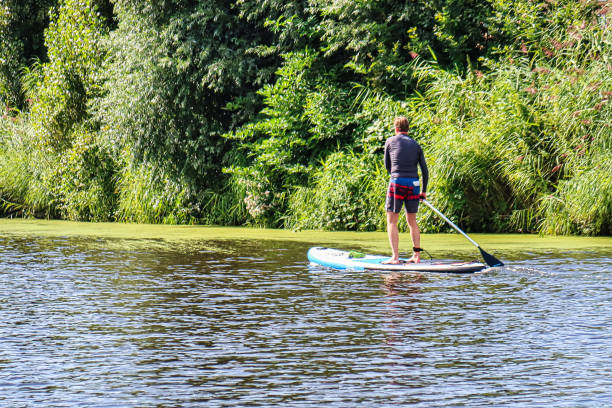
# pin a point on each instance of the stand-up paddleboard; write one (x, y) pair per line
(335, 258)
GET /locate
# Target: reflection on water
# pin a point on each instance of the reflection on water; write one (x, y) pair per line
(87, 323)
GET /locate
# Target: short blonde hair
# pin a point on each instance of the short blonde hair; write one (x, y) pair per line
(402, 123)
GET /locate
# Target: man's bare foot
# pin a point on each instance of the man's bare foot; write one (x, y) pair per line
(391, 261)
(416, 258)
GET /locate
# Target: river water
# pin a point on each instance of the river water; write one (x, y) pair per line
(92, 322)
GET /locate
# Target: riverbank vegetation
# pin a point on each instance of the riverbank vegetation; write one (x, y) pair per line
(274, 114)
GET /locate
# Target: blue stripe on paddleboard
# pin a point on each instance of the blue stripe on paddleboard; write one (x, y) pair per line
(325, 261)
(374, 260)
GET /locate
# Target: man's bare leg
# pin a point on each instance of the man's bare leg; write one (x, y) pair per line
(393, 233)
(415, 235)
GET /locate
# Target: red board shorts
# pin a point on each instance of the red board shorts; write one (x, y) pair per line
(403, 191)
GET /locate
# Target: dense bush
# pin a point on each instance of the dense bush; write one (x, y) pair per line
(84, 178)
(274, 113)
(347, 192)
(306, 114)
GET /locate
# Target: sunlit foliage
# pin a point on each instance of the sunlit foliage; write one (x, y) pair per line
(274, 113)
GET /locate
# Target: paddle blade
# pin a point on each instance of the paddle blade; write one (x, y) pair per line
(490, 259)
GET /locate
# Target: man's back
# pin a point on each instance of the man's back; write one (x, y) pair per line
(402, 154)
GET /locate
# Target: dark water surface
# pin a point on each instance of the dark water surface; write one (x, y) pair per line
(99, 323)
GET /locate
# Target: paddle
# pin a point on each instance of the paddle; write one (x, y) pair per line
(489, 259)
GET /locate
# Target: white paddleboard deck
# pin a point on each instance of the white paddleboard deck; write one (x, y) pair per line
(338, 259)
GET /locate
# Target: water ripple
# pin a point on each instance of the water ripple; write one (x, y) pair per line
(85, 325)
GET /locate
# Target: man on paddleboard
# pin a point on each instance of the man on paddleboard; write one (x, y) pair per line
(402, 155)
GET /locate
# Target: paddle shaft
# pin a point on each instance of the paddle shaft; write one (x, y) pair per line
(452, 224)
(489, 259)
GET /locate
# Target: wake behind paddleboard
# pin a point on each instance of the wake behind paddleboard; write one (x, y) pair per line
(338, 259)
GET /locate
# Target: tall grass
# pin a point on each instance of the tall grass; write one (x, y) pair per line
(347, 193)
(582, 204)
(24, 181)
(526, 144)
(91, 182)
(226, 207)
(77, 184)
(145, 197)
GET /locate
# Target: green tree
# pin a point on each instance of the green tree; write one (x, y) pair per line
(182, 74)
(73, 75)
(73, 173)
(22, 23)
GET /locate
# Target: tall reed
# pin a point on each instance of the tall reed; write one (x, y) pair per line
(25, 189)
(347, 193)
(526, 144)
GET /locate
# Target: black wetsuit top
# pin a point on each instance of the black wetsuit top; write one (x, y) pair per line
(402, 154)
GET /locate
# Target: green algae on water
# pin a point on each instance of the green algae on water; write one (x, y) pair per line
(142, 235)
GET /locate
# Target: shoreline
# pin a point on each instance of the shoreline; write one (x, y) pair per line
(371, 241)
